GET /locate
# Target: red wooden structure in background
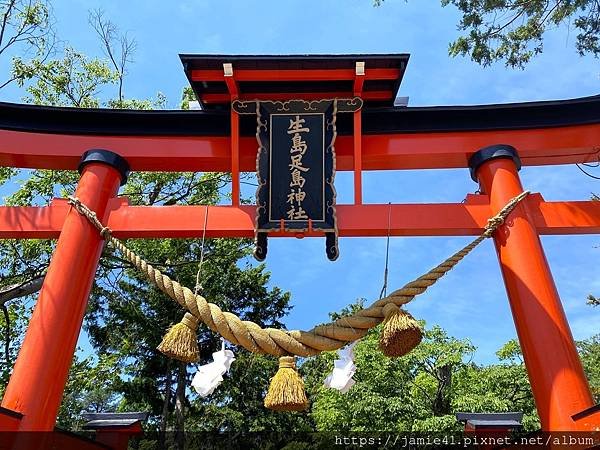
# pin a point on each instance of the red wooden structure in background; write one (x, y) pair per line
(379, 137)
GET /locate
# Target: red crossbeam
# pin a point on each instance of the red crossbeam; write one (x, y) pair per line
(564, 145)
(443, 219)
(294, 75)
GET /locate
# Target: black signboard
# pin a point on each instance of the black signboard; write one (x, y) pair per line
(296, 167)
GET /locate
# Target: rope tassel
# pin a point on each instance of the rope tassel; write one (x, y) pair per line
(286, 391)
(401, 332)
(181, 342)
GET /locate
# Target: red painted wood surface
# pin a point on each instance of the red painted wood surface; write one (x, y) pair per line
(557, 379)
(442, 219)
(117, 438)
(565, 145)
(40, 373)
(294, 75)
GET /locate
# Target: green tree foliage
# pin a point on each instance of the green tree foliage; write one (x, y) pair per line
(69, 79)
(91, 388)
(26, 32)
(422, 390)
(500, 387)
(513, 31)
(589, 351)
(73, 80)
(12, 326)
(22, 267)
(592, 300)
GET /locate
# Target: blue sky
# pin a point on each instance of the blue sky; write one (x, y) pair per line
(470, 302)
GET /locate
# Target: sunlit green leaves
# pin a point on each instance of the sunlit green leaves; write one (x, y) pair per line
(6, 173)
(42, 186)
(91, 387)
(26, 30)
(422, 390)
(589, 349)
(33, 14)
(513, 31)
(73, 80)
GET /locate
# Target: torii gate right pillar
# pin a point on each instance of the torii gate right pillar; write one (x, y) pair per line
(560, 388)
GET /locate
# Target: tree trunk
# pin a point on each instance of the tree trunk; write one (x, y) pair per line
(162, 435)
(441, 403)
(180, 405)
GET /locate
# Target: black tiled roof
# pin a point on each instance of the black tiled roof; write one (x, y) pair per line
(107, 420)
(505, 419)
(73, 121)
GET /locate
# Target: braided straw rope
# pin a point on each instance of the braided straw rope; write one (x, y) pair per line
(280, 342)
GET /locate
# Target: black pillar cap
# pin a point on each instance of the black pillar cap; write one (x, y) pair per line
(98, 155)
(492, 152)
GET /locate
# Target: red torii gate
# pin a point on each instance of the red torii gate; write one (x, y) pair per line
(379, 137)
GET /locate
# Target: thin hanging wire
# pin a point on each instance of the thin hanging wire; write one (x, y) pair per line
(594, 164)
(586, 172)
(198, 286)
(383, 292)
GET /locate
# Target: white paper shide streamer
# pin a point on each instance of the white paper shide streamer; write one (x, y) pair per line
(343, 370)
(210, 375)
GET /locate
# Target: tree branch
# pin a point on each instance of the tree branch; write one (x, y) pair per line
(107, 32)
(5, 19)
(6, 334)
(28, 287)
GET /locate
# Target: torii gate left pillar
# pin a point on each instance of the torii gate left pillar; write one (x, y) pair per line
(40, 373)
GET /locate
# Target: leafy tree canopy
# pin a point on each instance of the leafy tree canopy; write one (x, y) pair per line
(423, 390)
(513, 31)
(26, 31)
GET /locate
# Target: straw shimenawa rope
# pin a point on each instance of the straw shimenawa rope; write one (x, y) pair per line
(300, 343)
